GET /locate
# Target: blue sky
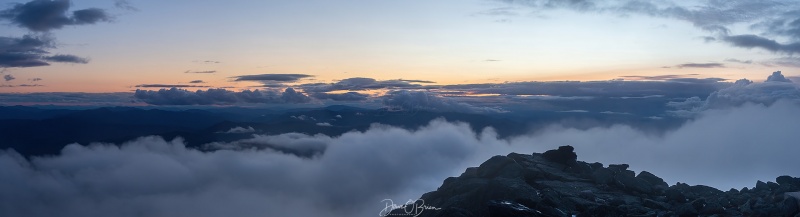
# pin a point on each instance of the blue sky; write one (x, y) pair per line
(447, 42)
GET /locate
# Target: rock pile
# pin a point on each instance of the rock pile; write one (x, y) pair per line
(555, 184)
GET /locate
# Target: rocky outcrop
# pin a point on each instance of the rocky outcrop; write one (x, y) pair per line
(555, 184)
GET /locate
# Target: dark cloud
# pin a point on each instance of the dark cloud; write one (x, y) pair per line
(31, 51)
(201, 72)
(701, 65)
(24, 52)
(36, 79)
(777, 77)
(46, 15)
(422, 100)
(417, 81)
(21, 85)
(166, 85)
(658, 77)
(272, 77)
(176, 96)
(66, 58)
(754, 41)
(8, 77)
(673, 87)
(349, 96)
(358, 83)
(744, 91)
(774, 18)
(196, 82)
(66, 98)
(738, 61)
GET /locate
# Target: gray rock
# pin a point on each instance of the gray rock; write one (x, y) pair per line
(491, 167)
(563, 155)
(652, 179)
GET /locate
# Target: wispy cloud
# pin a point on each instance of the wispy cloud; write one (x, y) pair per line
(701, 65)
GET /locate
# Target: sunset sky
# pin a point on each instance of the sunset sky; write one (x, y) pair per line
(447, 42)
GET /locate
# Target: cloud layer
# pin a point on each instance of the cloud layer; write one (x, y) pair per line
(177, 96)
(352, 173)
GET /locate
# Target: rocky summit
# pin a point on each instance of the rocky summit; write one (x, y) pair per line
(555, 184)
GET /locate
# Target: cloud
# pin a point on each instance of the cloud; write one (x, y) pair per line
(153, 177)
(241, 130)
(738, 61)
(123, 4)
(36, 79)
(31, 51)
(196, 82)
(417, 81)
(754, 41)
(773, 18)
(8, 77)
(272, 77)
(777, 77)
(744, 91)
(66, 98)
(24, 52)
(421, 100)
(670, 86)
(349, 96)
(176, 96)
(201, 72)
(166, 85)
(359, 83)
(351, 174)
(46, 15)
(324, 124)
(701, 65)
(66, 58)
(783, 61)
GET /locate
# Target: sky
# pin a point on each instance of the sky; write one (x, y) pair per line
(721, 77)
(148, 45)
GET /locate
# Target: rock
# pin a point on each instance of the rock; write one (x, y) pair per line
(652, 179)
(632, 184)
(618, 167)
(492, 166)
(602, 176)
(787, 181)
(563, 155)
(675, 196)
(451, 211)
(655, 204)
(761, 186)
(712, 208)
(507, 208)
(790, 207)
(686, 210)
(543, 185)
(698, 204)
(773, 186)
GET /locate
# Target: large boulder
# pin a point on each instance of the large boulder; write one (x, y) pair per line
(564, 155)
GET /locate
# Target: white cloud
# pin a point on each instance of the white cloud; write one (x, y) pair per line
(152, 177)
(241, 130)
(324, 124)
